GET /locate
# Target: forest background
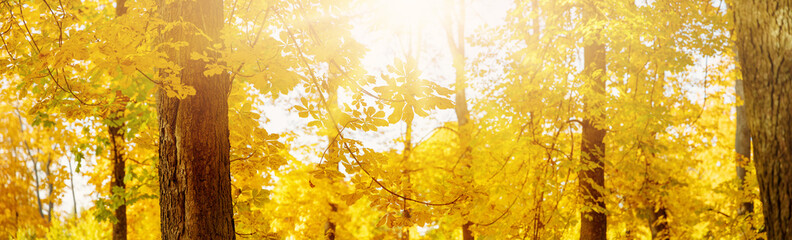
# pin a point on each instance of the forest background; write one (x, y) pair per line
(377, 119)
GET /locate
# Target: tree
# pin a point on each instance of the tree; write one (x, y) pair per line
(115, 127)
(194, 168)
(508, 165)
(763, 30)
(464, 128)
(593, 221)
(742, 147)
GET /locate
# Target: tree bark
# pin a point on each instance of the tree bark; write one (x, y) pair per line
(194, 167)
(593, 223)
(764, 41)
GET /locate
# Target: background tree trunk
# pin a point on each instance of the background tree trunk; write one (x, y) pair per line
(334, 152)
(115, 128)
(659, 223)
(119, 165)
(457, 46)
(194, 168)
(593, 224)
(742, 146)
(764, 41)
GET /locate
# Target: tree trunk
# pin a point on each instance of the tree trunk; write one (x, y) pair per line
(742, 146)
(119, 165)
(194, 168)
(659, 223)
(74, 195)
(115, 128)
(593, 223)
(33, 160)
(333, 150)
(457, 46)
(330, 230)
(764, 32)
(467, 234)
(48, 174)
(405, 234)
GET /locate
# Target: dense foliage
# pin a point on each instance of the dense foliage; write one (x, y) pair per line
(341, 118)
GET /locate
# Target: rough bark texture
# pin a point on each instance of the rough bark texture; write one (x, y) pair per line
(117, 144)
(194, 168)
(742, 145)
(115, 128)
(764, 41)
(593, 224)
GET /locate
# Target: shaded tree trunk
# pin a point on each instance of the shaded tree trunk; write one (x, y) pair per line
(659, 223)
(593, 223)
(194, 167)
(763, 31)
(330, 230)
(119, 165)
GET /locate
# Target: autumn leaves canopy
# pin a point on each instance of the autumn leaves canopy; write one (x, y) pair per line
(278, 119)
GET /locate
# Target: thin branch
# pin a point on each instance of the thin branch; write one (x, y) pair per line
(392, 192)
(244, 158)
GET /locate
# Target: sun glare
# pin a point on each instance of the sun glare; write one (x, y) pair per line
(408, 14)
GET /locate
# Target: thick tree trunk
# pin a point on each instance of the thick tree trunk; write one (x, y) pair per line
(764, 41)
(742, 146)
(593, 224)
(195, 177)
